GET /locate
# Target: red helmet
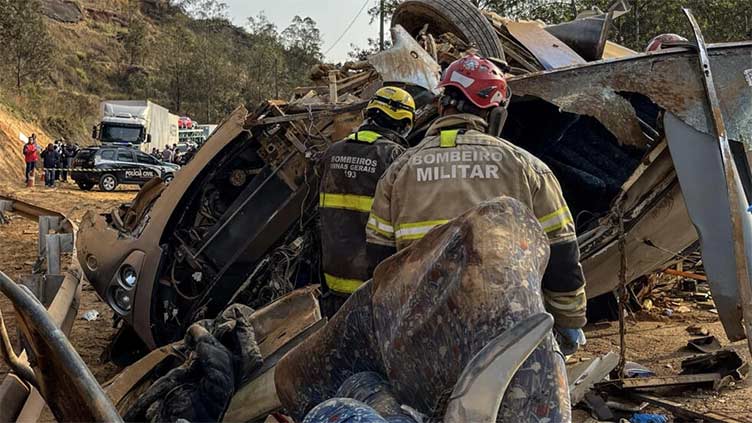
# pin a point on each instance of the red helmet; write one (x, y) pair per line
(479, 79)
(658, 41)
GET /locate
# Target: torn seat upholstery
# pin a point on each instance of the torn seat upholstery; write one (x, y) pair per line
(429, 309)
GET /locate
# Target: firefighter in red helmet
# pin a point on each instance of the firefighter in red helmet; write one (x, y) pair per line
(659, 42)
(386, 327)
(459, 165)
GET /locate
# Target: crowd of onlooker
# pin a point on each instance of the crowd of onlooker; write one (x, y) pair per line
(55, 160)
(175, 154)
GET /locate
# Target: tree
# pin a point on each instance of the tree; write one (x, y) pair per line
(135, 40)
(204, 9)
(722, 20)
(303, 36)
(265, 62)
(27, 46)
(302, 41)
(175, 67)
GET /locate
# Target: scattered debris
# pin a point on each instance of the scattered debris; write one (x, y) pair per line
(598, 407)
(583, 376)
(90, 315)
(698, 330)
(679, 410)
(625, 406)
(686, 275)
(724, 363)
(683, 309)
(648, 418)
(606, 143)
(715, 380)
(632, 369)
(706, 344)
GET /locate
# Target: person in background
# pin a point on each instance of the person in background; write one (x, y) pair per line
(61, 161)
(155, 153)
(69, 153)
(38, 163)
(51, 157)
(31, 155)
(189, 155)
(167, 155)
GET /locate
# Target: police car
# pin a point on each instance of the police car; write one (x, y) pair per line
(109, 167)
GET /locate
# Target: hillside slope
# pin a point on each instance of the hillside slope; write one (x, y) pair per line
(89, 54)
(11, 157)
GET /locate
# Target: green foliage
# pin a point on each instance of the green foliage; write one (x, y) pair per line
(135, 40)
(207, 67)
(185, 55)
(27, 50)
(203, 9)
(721, 20)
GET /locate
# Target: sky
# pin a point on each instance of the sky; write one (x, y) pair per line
(332, 18)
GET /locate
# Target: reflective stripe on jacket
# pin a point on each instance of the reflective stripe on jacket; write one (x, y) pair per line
(456, 167)
(350, 171)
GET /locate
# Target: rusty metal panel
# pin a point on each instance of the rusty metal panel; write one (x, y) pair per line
(666, 224)
(406, 62)
(57, 364)
(551, 52)
(16, 398)
(740, 220)
(670, 78)
(614, 51)
(698, 164)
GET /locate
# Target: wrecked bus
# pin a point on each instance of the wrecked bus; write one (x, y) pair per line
(237, 224)
(636, 150)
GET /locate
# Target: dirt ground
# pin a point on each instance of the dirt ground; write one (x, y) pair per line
(653, 340)
(19, 253)
(659, 343)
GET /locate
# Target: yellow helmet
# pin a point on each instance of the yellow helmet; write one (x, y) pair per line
(395, 102)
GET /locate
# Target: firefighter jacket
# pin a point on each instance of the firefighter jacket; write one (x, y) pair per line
(456, 167)
(350, 171)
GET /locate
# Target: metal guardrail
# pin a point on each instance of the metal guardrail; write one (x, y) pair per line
(57, 289)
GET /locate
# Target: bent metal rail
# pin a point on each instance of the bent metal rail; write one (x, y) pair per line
(57, 285)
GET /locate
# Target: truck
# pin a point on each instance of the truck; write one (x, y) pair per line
(198, 134)
(140, 124)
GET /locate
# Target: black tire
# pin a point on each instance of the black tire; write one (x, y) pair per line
(108, 182)
(85, 186)
(459, 17)
(168, 178)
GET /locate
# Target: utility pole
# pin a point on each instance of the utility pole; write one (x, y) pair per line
(381, 25)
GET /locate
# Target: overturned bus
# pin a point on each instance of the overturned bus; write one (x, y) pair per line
(650, 164)
(628, 141)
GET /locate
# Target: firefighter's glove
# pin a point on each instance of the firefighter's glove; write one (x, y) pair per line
(569, 340)
(220, 356)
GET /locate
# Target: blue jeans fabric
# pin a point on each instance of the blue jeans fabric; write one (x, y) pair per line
(49, 177)
(29, 170)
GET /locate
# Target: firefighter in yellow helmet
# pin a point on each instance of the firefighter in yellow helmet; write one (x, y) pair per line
(350, 171)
